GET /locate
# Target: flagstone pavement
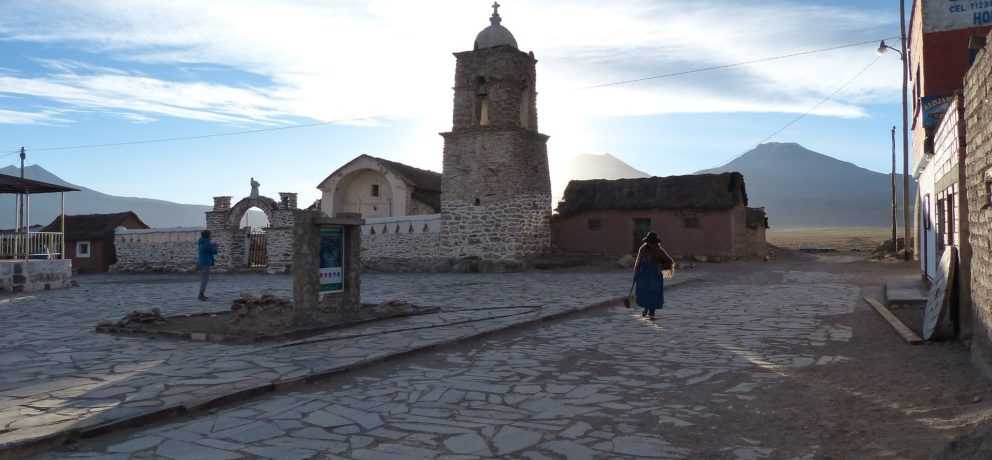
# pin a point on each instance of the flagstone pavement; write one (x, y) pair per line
(58, 376)
(603, 384)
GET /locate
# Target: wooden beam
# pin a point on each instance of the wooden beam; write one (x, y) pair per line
(906, 333)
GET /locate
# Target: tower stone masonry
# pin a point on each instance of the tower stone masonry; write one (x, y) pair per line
(496, 191)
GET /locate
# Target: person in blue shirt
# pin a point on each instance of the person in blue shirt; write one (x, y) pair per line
(651, 260)
(205, 252)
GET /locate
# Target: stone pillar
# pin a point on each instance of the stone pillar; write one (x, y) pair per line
(287, 200)
(222, 203)
(221, 235)
(310, 308)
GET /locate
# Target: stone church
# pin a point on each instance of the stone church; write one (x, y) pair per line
(496, 194)
(493, 199)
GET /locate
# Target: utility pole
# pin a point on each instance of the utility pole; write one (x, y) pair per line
(20, 207)
(895, 247)
(905, 131)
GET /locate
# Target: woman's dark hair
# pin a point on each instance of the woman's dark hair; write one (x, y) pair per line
(651, 237)
(205, 234)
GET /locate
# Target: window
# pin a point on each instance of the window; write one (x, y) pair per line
(482, 101)
(988, 188)
(595, 224)
(375, 190)
(691, 222)
(82, 249)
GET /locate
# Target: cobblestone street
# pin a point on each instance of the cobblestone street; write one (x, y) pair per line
(604, 384)
(58, 375)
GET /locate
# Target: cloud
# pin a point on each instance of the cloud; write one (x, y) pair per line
(353, 59)
(42, 117)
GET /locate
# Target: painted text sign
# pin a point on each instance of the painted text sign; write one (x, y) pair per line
(943, 15)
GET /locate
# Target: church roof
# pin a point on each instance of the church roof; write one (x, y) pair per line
(495, 35)
(700, 191)
(94, 226)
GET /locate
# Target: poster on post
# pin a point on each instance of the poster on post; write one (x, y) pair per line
(331, 259)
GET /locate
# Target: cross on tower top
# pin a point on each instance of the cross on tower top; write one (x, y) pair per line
(496, 6)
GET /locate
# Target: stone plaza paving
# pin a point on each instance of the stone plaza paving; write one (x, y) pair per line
(603, 384)
(58, 377)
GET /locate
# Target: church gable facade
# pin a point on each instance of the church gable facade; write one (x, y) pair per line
(377, 188)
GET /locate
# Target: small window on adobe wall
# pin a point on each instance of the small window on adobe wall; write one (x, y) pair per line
(595, 224)
(691, 222)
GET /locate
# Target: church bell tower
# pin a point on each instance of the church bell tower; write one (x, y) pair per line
(496, 192)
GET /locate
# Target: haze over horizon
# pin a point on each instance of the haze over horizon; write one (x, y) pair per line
(114, 72)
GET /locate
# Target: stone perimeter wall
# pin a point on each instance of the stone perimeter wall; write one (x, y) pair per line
(978, 166)
(401, 244)
(156, 250)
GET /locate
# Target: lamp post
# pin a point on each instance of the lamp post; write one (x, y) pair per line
(882, 49)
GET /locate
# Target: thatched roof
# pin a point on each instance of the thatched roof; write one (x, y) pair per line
(701, 192)
(93, 226)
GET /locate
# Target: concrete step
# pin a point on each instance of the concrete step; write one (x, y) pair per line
(910, 291)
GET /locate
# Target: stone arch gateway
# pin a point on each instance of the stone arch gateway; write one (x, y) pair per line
(234, 244)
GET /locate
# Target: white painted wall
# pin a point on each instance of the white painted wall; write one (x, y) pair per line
(349, 189)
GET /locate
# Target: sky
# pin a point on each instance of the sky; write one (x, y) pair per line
(379, 74)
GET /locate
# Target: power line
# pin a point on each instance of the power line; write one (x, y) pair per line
(202, 136)
(329, 122)
(736, 64)
(822, 101)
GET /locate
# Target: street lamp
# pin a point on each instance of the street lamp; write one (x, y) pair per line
(884, 48)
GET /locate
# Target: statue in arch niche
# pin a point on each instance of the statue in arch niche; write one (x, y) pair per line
(254, 189)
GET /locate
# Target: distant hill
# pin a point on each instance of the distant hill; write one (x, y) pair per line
(591, 166)
(155, 213)
(803, 188)
(605, 166)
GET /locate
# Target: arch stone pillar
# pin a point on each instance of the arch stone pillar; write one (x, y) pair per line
(224, 222)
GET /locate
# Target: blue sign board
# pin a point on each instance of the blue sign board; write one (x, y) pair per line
(331, 259)
(933, 108)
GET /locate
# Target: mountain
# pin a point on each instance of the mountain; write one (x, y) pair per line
(606, 166)
(590, 166)
(803, 188)
(155, 213)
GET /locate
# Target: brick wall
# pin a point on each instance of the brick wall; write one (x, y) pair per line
(978, 126)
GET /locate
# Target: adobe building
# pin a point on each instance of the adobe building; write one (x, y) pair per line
(702, 215)
(938, 52)
(496, 194)
(943, 40)
(89, 238)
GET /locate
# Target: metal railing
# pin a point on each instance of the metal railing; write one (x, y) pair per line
(33, 245)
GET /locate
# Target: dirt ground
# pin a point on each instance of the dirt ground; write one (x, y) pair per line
(840, 239)
(895, 401)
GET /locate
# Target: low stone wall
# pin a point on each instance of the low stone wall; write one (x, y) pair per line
(35, 275)
(401, 244)
(156, 250)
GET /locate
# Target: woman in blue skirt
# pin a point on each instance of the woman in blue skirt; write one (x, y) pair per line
(651, 260)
